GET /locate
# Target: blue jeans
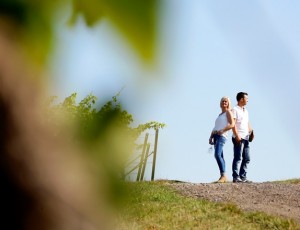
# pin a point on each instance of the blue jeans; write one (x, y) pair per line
(241, 152)
(219, 142)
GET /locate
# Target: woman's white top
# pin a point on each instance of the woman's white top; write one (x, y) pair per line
(220, 123)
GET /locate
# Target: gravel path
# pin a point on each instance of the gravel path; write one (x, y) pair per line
(273, 198)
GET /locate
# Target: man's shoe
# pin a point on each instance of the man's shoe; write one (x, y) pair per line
(237, 180)
(222, 179)
(245, 180)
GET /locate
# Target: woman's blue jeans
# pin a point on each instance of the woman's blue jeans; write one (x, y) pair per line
(241, 153)
(219, 142)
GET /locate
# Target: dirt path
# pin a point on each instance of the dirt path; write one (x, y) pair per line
(273, 198)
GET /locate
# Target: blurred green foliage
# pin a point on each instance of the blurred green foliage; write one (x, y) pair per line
(105, 133)
(135, 19)
(93, 121)
(30, 25)
(99, 124)
(32, 22)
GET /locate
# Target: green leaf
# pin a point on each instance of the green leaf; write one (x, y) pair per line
(135, 19)
(30, 25)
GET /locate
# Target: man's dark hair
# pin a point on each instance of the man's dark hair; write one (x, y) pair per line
(240, 95)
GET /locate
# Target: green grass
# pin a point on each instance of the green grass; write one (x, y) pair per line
(154, 205)
(290, 181)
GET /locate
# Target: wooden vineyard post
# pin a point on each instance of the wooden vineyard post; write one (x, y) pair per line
(142, 157)
(145, 161)
(154, 155)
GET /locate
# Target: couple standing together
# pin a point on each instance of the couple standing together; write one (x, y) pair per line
(237, 120)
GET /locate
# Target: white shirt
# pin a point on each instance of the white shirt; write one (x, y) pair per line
(220, 123)
(241, 117)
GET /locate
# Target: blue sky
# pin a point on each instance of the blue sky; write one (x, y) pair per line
(207, 50)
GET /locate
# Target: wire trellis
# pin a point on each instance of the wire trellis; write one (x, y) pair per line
(138, 163)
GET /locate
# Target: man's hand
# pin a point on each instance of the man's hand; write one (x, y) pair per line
(238, 139)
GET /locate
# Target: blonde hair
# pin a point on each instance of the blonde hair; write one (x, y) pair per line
(229, 102)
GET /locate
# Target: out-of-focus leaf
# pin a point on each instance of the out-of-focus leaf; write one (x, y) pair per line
(90, 9)
(37, 36)
(33, 20)
(135, 19)
(30, 24)
(13, 10)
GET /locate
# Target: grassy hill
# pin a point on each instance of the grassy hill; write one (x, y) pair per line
(154, 205)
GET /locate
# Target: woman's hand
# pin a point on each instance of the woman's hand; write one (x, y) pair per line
(220, 132)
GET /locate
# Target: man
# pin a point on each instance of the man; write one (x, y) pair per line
(240, 139)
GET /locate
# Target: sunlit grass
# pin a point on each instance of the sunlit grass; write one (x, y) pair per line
(153, 205)
(290, 181)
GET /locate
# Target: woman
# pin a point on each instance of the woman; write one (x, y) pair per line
(219, 134)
